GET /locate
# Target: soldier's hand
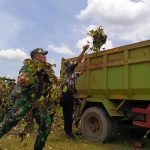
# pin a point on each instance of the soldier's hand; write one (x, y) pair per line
(85, 47)
(23, 80)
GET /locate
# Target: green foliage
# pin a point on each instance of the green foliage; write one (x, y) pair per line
(33, 67)
(5, 91)
(99, 38)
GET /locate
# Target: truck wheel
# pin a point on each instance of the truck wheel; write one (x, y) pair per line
(95, 125)
(114, 130)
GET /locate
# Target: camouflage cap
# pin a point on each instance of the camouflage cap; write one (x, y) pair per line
(36, 51)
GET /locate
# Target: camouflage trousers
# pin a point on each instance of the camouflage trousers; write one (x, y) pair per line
(7, 106)
(2, 114)
(21, 107)
(29, 124)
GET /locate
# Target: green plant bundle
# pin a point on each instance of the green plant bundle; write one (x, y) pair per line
(99, 38)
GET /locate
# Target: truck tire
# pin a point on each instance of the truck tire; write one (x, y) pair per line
(95, 125)
(114, 130)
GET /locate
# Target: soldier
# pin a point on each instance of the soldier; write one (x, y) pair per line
(68, 91)
(10, 97)
(6, 97)
(52, 99)
(35, 82)
(3, 102)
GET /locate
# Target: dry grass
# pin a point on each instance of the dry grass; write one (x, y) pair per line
(59, 141)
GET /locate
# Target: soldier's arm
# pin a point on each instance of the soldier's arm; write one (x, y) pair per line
(25, 78)
(79, 59)
(22, 80)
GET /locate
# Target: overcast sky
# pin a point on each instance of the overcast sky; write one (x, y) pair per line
(61, 26)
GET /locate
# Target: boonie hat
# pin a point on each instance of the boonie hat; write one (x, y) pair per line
(36, 51)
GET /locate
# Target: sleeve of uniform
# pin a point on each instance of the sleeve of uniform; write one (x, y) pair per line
(70, 69)
(73, 66)
(25, 77)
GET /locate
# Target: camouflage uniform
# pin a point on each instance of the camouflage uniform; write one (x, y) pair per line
(3, 94)
(6, 97)
(39, 76)
(67, 100)
(50, 103)
(68, 91)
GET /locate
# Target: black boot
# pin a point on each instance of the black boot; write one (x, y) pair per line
(39, 146)
(70, 135)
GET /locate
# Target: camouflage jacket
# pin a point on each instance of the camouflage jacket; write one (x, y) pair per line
(6, 97)
(42, 81)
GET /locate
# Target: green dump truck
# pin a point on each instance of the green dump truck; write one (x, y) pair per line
(113, 93)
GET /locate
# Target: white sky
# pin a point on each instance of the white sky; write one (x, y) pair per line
(61, 27)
